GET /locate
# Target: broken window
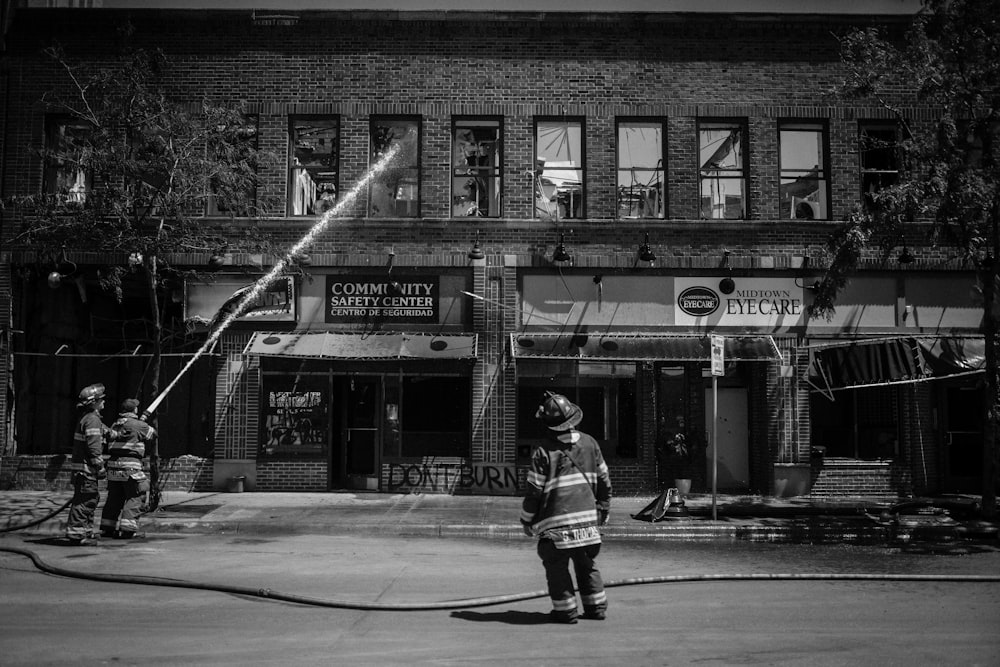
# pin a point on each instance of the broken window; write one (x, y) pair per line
(395, 189)
(65, 154)
(803, 191)
(476, 164)
(640, 169)
(233, 185)
(559, 169)
(722, 174)
(315, 164)
(879, 158)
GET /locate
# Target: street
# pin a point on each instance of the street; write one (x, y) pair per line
(55, 620)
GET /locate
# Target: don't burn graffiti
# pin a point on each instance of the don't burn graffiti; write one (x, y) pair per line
(487, 478)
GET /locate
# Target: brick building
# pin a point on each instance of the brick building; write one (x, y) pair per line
(577, 201)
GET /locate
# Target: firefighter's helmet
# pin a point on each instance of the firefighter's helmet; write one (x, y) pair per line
(559, 413)
(90, 394)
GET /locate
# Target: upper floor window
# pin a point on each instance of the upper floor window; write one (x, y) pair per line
(879, 152)
(722, 172)
(233, 185)
(395, 190)
(804, 189)
(314, 166)
(559, 169)
(65, 175)
(641, 191)
(476, 167)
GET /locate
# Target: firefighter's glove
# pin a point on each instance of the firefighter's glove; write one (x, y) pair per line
(602, 517)
(100, 471)
(526, 527)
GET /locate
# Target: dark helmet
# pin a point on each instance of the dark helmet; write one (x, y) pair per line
(90, 395)
(559, 413)
(129, 405)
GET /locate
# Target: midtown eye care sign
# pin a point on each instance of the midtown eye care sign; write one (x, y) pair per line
(353, 298)
(769, 303)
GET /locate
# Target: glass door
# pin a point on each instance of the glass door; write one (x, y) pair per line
(361, 445)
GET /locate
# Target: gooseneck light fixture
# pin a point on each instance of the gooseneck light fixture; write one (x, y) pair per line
(477, 251)
(561, 254)
(905, 257)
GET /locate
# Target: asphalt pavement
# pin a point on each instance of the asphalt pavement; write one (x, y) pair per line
(700, 517)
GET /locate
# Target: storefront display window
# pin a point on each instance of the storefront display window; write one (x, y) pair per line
(433, 417)
(860, 424)
(294, 419)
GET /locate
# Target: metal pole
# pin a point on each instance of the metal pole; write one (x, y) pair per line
(715, 442)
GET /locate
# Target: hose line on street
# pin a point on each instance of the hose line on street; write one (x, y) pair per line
(468, 603)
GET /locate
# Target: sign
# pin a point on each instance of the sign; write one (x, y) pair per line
(769, 303)
(274, 303)
(383, 298)
(718, 355)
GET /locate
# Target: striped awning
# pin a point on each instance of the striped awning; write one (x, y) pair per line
(357, 346)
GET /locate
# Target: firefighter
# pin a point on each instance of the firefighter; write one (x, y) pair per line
(127, 483)
(87, 465)
(568, 497)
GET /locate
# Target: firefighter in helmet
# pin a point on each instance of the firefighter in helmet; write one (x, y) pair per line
(87, 465)
(568, 497)
(127, 483)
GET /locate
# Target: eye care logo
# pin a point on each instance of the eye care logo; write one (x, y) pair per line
(698, 301)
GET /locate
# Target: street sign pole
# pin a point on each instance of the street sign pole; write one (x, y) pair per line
(718, 369)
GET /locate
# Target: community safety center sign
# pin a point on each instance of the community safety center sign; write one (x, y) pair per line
(385, 298)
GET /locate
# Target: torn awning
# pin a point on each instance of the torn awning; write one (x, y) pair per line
(357, 346)
(880, 361)
(639, 347)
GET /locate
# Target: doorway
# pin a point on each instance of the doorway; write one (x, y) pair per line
(733, 439)
(355, 432)
(963, 439)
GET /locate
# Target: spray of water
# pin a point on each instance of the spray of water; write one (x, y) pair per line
(277, 270)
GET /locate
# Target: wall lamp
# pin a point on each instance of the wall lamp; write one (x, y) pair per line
(905, 257)
(477, 251)
(646, 253)
(63, 271)
(561, 254)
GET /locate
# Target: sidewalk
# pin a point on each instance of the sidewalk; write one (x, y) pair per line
(738, 518)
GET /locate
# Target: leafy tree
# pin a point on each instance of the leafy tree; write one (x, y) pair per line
(949, 61)
(154, 165)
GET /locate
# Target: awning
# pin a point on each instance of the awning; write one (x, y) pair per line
(358, 346)
(880, 361)
(639, 347)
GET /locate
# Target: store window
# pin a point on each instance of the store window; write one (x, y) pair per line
(65, 139)
(294, 419)
(477, 164)
(395, 189)
(314, 168)
(804, 189)
(233, 190)
(860, 424)
(722, 174)
(879, 150)
(427, 416)
(560, 169)
(609, 411)
(641, 191)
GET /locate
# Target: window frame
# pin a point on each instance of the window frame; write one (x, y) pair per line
(294, 169)
(53, 168)
(212, 208)
(494, 172)
(823, 175)
(373, 157)
(538, 194)
(661, 169)
(741, 174)
(864, 173)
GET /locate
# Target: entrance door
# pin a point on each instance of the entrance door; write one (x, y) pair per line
(733, 441)
(355, 449)
(963, 456)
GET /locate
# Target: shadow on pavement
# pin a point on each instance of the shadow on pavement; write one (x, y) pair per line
(508, 617)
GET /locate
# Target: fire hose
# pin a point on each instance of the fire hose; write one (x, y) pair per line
(466, 603)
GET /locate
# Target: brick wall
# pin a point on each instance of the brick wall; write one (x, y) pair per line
(51, 473)
(291, 476)
(845, 477)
